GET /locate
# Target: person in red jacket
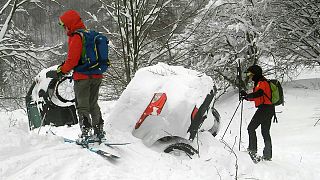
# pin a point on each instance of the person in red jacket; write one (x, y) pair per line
(86, 87)
(261, 96)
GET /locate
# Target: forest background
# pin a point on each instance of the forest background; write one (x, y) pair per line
(210, 36)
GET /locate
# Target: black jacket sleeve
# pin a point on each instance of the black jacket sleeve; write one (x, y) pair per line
(256, 94)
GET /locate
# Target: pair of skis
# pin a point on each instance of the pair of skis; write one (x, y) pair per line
(90, 146)
(103, 153)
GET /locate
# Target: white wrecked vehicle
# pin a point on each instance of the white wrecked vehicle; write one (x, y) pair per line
(50, 100)
(168, 101)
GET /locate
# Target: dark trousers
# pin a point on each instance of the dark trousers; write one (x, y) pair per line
(87, 93)
(263, 117)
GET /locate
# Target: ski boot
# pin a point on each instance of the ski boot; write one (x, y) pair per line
(83, 137)
(265, 158)
(99, 132)
(253, 155)
(85, 127)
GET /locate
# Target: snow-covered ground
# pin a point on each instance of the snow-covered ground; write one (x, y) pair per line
(296, 147)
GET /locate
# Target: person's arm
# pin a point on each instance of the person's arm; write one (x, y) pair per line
(74, 54)
(256, 94)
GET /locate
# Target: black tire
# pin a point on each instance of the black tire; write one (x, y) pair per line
(188, 149)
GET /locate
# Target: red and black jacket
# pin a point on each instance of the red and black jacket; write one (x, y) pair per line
(261, 93)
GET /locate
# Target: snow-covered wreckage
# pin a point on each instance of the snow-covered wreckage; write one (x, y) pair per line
(50, 100)
(163, 101)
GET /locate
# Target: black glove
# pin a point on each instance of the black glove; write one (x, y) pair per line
(243, 94)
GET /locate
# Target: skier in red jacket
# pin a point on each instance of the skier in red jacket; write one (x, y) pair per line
(86, 87)
(261, 96)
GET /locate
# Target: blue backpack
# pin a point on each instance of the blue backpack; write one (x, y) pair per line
(94, 57)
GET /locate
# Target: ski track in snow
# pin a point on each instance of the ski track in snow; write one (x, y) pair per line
(296, 148)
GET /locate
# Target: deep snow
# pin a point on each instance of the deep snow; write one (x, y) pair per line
(296, 144)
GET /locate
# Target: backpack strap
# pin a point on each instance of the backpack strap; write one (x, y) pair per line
(267, 97)
(83, 51)
(275, 119)
(79, 32)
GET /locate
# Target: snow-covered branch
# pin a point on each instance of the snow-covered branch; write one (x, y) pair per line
(5, 6)
(6, 23)
(20, 57)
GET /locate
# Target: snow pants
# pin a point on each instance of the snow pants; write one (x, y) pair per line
(86, 95)
(263, 116)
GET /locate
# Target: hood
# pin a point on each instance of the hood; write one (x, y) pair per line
(72, 21)
(255, 69)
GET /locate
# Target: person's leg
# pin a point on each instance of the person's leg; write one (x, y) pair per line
(81, 90)
(93, 100)
(265, 131)
(253, 125)
(95, 109)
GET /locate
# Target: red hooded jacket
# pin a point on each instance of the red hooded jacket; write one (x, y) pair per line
(72, 22)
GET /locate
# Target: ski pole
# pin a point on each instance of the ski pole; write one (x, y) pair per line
(231, 120)
(240, 122)
(316, 122)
